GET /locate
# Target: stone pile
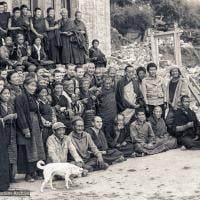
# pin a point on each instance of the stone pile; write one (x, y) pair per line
(136, 54)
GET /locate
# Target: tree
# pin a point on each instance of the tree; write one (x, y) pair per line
(131, 17)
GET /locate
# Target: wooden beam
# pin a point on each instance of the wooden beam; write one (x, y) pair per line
(153, 48)
(177, 48)
(160, 34)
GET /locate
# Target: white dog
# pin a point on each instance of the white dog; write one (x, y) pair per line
(62, 169)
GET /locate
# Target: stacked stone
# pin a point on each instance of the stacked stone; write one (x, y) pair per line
(136, 54)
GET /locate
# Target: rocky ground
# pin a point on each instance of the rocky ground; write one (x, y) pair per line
(173, 175)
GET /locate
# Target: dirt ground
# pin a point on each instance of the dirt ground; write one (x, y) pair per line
(174, 175)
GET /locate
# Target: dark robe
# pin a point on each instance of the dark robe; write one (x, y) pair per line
(29, 118)
(100, 141)
(79, 43)
(3, 24)
(115, 141)
(40, 27)
(19, 51)
(187, 137)
(161, 134)
(107, 108)
(17, 22)
(97, 57)
(4, 63)
(66, 50)
(10, 129)
(54, 41)
(34, 58)
(4, 160)
(62, 116)
(89, 107)
(27, 28)
(172, 89)
(47, 113)
(122, 104)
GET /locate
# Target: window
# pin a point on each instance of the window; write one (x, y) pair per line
(33, 4)
(50, 3)
(67, 4)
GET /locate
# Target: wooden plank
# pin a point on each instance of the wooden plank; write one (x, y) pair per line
(167, 33)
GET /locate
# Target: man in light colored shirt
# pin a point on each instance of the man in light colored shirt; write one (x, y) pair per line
(86, 148)
(154, 90)
(59, 145)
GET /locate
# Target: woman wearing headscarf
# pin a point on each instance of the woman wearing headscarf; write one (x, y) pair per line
(30, 143)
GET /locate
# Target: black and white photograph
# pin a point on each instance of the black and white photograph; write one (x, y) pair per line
(100, 99)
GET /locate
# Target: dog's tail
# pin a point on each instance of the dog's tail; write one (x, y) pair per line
(40, 164)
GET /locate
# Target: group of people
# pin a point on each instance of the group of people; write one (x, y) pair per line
(83, 113)
(36, 40)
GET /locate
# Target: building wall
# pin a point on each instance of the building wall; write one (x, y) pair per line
(96, 15)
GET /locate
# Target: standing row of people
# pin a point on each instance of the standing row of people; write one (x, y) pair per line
(47, 40)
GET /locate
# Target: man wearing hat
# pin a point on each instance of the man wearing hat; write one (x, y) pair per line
(83, 143)
(59, 145)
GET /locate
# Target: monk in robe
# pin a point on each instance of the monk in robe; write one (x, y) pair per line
(66, 26)
(79, 40)
(185, 126)
(128, 94)
(160, 129)
(107, 105)
(119, 137)
(96, 55)
(110, 155)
